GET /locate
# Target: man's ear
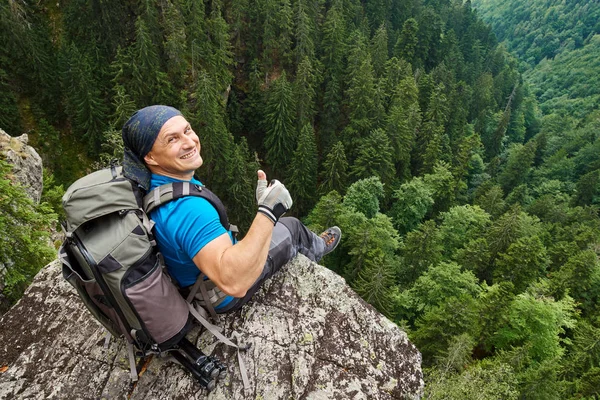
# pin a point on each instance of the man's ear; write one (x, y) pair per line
(149, 159)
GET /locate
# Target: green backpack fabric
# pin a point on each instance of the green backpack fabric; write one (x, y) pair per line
(110, 257)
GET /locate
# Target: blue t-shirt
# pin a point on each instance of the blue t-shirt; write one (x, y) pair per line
(183, 227)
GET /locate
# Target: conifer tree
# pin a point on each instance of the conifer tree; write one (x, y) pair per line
(518, 165)
(123, 105)
(406, 45)
(403, 120)
(304, 31)
(280, 139)
(325, 213)
(334, 172)
(303, 176)
(334, 50)
(149, 84)
(25, 225)
(429, 140)
(422, 248)
(365, 238)
(175, 44)
(304, 92)
(219, 57)
(217, 143)
(374, 279)
(241, 185)
(277, 34)
(524, 261)
(84, 100)
(9, 113)
(379, 51)
(374, 158)
(361, 98)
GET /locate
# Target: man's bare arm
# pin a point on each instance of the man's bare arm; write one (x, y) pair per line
(235, 268)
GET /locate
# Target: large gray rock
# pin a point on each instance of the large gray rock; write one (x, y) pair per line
(311, 338)
(27, 163)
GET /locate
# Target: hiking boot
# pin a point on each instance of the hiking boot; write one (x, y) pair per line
(332, 237)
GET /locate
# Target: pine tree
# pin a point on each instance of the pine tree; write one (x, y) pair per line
(379, 51)
(304, 31)
(303, 176)
(304, 92)
(218, 147)
(334, 50)
(277, 34)
(406, 45)
(149, 84)
(84, 101)
(403, 120)
(429, 140)
(365, 239)
(280, 139)
(334, 172)
(374, 158)
(363, 109)
(175, 44)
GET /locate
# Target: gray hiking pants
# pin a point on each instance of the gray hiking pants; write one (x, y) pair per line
(289, 238)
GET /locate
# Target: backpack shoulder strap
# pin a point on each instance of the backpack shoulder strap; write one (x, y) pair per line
(176, 190)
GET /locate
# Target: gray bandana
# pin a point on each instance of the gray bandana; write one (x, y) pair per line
(139, 134)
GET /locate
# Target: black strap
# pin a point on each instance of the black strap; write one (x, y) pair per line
(176, 190)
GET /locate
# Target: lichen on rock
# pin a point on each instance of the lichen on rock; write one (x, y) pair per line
(311, 337)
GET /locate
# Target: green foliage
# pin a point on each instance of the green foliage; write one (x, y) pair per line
(280, 139)
(374, 157)
(413, 201)
(371, 243)
(325, 213)
(445, 132)
(460, 225)
(525, 260)
(422, 248)
(304, 171)
(363, 196)
(537, 322)
(24, 245)
(334, 173)
(485, 380)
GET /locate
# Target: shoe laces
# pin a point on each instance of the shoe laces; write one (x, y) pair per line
(328, 237)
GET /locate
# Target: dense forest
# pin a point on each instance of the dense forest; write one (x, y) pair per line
(466, 179)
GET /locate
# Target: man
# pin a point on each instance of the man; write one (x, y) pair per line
(160, 148)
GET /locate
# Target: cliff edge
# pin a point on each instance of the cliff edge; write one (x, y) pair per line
(311, 337)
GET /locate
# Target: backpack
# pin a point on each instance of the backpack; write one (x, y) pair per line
(110, 257)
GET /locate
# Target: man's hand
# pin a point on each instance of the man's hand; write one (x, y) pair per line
(275, 200)
(261, 185)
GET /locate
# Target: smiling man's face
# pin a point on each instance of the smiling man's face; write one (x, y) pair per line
(176, 151)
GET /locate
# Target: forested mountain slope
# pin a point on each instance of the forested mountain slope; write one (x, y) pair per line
(559, 44)
(540, 29)
(469, 218)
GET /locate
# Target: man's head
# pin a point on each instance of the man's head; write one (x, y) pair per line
(158, 139)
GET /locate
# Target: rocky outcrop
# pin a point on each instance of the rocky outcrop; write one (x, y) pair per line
(311, 337)
(27, 163)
